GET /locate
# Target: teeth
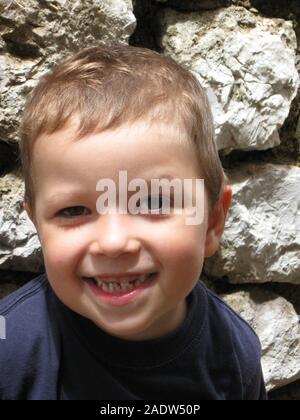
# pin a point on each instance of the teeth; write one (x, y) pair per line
(115, 285)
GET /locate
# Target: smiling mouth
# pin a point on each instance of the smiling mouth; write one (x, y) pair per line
(121, 286)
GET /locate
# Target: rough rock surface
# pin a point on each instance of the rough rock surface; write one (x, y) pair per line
(248, 65)
(277, 326)
(261, 242)
(20, 248)
(34, 35)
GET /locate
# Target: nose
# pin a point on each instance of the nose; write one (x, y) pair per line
(113, 236)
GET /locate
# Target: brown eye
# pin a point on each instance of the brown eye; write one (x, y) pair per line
(155, 203)
(74, 211)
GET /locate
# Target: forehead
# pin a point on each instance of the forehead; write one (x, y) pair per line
(143, 150)
(140, 135)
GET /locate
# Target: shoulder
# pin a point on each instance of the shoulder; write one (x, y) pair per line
(20, 307)
(241, 333)
(234, 341)
(28, 344)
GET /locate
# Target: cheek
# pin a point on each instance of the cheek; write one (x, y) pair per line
(182, 249)
(60, 250)
(189, 259)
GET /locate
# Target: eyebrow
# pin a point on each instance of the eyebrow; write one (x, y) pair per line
(65, 195)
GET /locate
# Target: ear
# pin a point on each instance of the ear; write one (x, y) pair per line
(216, 222)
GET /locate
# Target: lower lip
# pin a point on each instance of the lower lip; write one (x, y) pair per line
(120, 298)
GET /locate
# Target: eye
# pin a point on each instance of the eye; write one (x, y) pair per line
(155, 203)
(72, 212)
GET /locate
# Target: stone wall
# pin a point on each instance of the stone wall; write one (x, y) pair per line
(245, 54)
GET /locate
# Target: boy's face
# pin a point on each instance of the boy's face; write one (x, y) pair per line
(80, 242)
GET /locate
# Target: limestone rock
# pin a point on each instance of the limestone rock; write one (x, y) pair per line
(246, 62)
(277, 326)
(19, 245)
(35, 35)
(261, 241)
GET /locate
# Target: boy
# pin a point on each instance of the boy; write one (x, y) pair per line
(120, 312)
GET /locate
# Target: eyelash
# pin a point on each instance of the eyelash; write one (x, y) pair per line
(160, 197)
(68, 208)
(82, 207)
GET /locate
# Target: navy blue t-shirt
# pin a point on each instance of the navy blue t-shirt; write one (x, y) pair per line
(52, 353)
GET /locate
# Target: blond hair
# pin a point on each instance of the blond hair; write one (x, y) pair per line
(108, 86)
